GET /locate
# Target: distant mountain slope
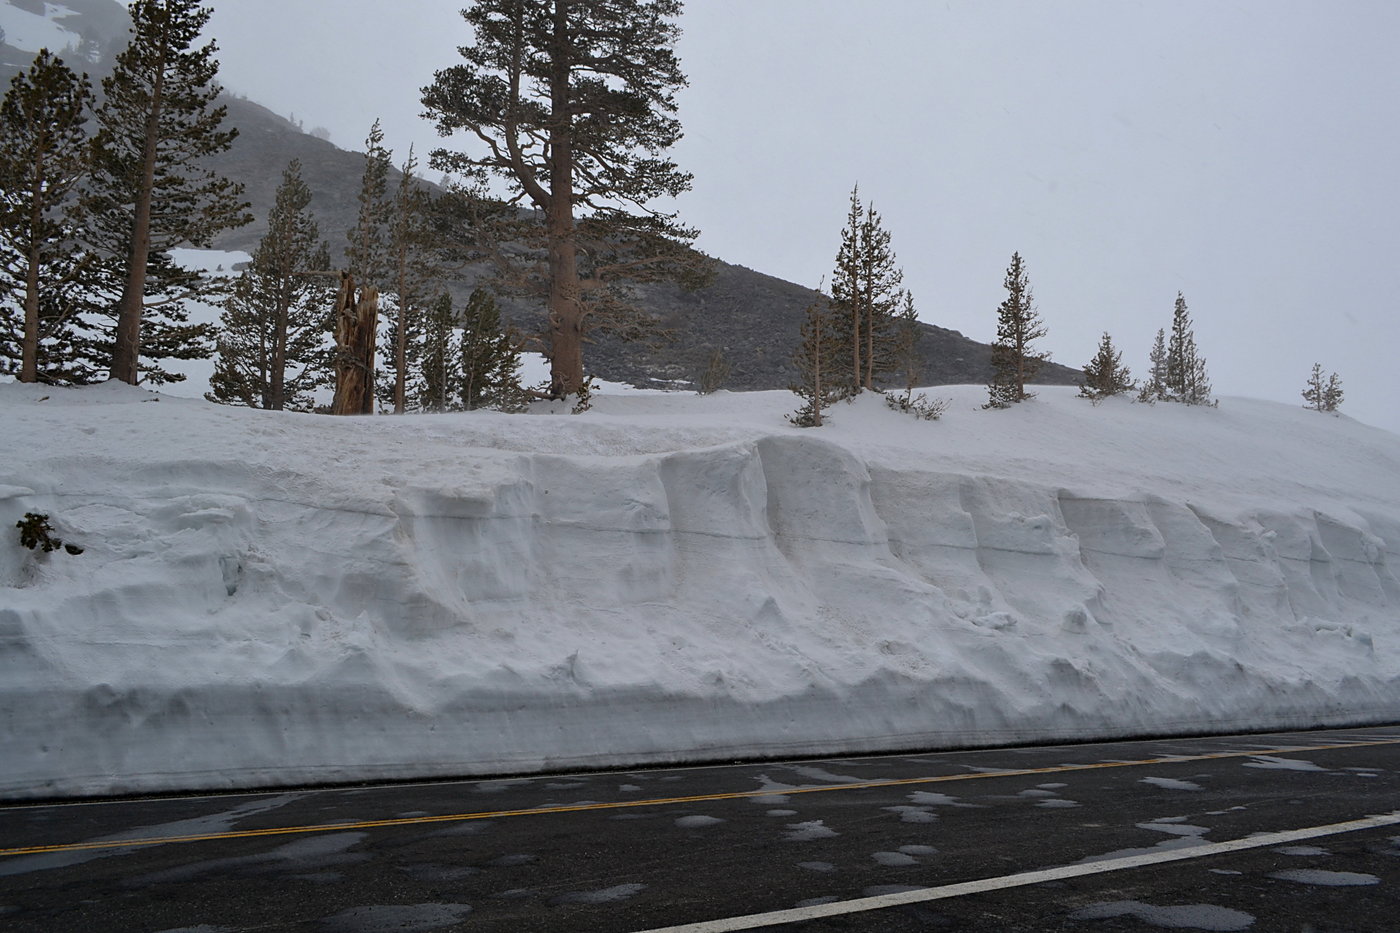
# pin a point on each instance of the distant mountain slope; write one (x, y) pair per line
(751, 317)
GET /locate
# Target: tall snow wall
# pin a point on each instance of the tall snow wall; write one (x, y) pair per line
(275, 599)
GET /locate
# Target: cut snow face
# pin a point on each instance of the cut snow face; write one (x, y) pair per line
(274, 598)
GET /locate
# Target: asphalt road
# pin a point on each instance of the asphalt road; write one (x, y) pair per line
(1130, 834)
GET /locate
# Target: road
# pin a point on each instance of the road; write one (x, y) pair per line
(1260, 832)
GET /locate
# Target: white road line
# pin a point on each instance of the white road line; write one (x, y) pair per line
(798, 914)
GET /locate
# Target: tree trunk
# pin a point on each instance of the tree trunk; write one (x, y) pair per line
(356, 316)
(277, 399)
(126, 350)
(565, 305)
(401, 358)
(29, 354)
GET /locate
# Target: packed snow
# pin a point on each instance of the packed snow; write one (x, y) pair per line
(271, 599)
(30, 32)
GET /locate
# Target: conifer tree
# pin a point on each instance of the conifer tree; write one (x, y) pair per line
(1186, 379)
(866, 292)
(440, 380)
(845, 369)
(490, 355)
(1322, 395)
(366, 274)
(272, 349)
(820, 345)
(150, 192)
(43, 269)
(1332, 395)
(1014, 362)
(367, 249)
(1154, 387)
(1105, 374)
(572, 104)
(880, 281)
(411, 273)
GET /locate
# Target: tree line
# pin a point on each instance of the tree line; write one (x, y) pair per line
(568, 108)
(574, 103)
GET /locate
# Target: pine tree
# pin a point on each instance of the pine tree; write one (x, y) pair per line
(1322, 395)
(43, 269)
(821, 344)
(715, 373)
(866, 293)
(411, 274)
(367, 250)
(490, 355)
(1154, 387)
(573, 104)
(157, 123)
(1332, 395)
(1105, 374)
(845, 369)
(272, 349)
(1014, 362)
(880, 281)
(440, 380)
(1186, 379)
(367, 274)
(906, 352)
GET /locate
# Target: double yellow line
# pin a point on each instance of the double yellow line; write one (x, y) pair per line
(668, 801)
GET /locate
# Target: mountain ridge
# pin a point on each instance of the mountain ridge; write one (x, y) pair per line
(752, 318)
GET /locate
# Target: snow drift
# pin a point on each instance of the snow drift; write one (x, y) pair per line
(276, 598)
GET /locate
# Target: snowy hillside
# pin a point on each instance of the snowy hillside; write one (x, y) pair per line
(274, 598)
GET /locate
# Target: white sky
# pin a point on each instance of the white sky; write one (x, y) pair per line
(1242, 151)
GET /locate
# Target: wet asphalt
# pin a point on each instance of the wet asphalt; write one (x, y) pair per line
(632, 851)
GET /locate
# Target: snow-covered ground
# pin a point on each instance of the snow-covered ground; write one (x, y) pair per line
(274, 598)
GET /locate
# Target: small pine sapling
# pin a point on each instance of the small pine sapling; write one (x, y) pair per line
(814, 360)
(1322, 395)
(1105, 374)
(1154, 387)
(716, 374)
(36, 533)
(907, 355)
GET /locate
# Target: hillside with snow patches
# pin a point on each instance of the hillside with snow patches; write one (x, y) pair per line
(270, 598)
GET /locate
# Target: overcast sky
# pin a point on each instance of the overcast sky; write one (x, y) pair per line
(1241, 151)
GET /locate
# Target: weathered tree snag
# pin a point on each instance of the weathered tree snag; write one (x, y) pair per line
(356, 317)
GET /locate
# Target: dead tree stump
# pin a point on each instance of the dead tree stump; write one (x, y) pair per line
(356, 318)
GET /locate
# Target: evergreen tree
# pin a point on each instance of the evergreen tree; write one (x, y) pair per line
(367, 252)
(157, 123)
(1322, 395)
(821, 344)
(368, 272)
(572, 104)
(715, 373)
(1186, 379)
(272, 349)
(1154, 387)
(490, 355)
(1332, 395)
(43, 269)
(844, 369)
(866, 293)
(907, 354)
(880, 281)
(1105, 374)
(411, 274)
(1014, 362)
(441, 374)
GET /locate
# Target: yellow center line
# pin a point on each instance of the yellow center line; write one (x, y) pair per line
(670, 801)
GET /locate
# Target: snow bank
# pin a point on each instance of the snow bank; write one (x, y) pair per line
(278, 598)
